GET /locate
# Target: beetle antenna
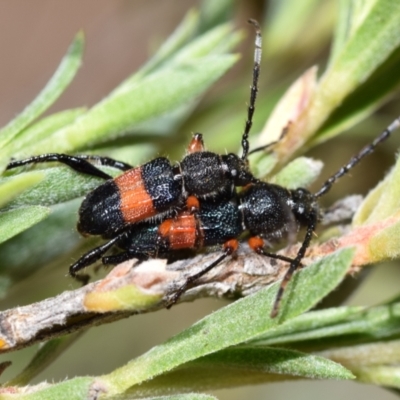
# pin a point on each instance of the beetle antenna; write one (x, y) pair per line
(358, 157)
(253, 89)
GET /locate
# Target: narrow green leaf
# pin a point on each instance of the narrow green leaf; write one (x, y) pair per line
(213, 42)
(219, 40)
(312, 325)
(41, 243)
(276, 361)
(244, 365)
(42, 129)
(11, 188)
(342, 28)
(351, 17)
(368, 206)
(54, 88)
(328, 273)
(155, 94)
(205, 45)
(370, 51)
(288, 22)
(15, 221)
(236, 323)
(369, 46)
(76, 389)
(213, 13)
(319, 330)
(59, 184)
(364, 100)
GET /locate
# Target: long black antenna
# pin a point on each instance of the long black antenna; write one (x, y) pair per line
(253, 89)
(358, 157)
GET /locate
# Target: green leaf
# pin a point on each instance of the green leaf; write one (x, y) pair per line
(371, 39)
(54, 88)
(11, 188)
(205, 45)
(370, 44)
(342, 28)
(362, 73)
(381, 209)
(239, 322)
(274, 360)
(15, 221)
(59, 184)
(383, 201)
(41, 243)
(217, 41)
(288, 22)
(336, 264)
(364, 100)
(153, 95)
(371, 93)
(213, 42)
(313, 325)
(321, 329)
(42, 129)
(243, 365)
(76, 389)
(213, 13)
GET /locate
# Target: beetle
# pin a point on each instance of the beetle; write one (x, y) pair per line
(265, 211)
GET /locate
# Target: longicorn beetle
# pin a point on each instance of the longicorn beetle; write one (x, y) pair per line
(157, 208)
(267, 212)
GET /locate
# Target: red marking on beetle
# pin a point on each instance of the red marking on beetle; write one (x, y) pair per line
(136, 203)
(196, 144)
(232, 245)
(192, 204)
(256, 243)
(181, 232)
